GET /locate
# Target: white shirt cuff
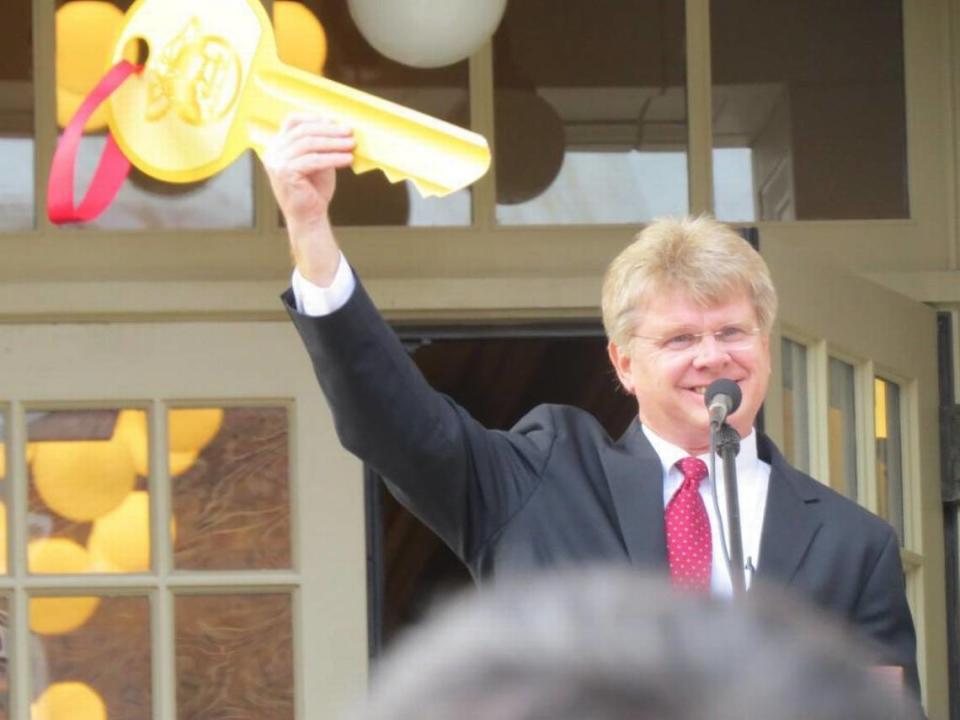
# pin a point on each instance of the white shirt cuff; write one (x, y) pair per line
(316, 301)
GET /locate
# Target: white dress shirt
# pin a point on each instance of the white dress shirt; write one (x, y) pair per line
(753, 479)
(753, 475)
(314, 300)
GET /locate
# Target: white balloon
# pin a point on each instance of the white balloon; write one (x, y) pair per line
(427, 33)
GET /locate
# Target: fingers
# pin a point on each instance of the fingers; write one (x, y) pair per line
(306, 144)
(300, 124)
(306, 141)
(310, 163)
(301, 161)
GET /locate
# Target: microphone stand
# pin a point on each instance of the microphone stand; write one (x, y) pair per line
(727, 443)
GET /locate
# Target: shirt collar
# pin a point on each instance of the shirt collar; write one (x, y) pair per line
(669, 453)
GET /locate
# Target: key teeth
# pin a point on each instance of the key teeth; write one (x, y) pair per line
(392, 176)
(361, 165)
(426, 190)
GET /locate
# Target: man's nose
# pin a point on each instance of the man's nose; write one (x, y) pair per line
(709, 352)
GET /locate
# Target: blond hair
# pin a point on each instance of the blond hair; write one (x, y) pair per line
(700, 257)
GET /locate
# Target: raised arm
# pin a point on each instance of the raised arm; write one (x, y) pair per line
(301, 164)
(460, 478)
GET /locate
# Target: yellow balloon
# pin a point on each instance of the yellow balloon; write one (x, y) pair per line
(301, 41)
(59, 615)
(82, 480)
(192, 429)
(131, 430)
(69, 701)
(120, 540)
(179, 462)
(87, 31)
(57, 556)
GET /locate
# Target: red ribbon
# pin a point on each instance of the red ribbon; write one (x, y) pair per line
(112, 168)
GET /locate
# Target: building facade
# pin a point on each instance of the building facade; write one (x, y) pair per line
(826, 130)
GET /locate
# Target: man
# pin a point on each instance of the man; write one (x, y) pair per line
(689, 302)
(578, 645)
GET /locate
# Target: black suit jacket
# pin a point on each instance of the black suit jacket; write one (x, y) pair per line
(556, 489)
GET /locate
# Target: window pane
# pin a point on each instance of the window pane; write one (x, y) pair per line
(590, 111)
(803, 88)
(16, 118)
(231, 496)
(369, 198)
(889, 453)
(85, 41)
(234, 657)
(90, 666)
(842, 428)
(5, 657)
(88, 504)
(4, 526)
(796, 405)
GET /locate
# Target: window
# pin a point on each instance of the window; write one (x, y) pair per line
(842, 428)
(93, 484)
(796, 404)
(16, 118)
(803, 87)
(889, 461)
(597, 132)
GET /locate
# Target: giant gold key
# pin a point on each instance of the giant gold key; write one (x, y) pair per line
(214, 86)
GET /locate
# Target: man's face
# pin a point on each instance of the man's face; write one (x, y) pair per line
(669, 382)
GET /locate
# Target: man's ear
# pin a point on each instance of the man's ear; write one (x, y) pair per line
(620, 359)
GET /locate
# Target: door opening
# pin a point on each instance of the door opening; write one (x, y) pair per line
(498, 378)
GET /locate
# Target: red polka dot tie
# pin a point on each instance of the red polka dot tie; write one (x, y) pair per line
(689, 547)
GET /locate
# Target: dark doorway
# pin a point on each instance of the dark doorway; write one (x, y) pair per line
(498, 379)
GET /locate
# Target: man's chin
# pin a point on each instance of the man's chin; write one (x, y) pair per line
(696, 435)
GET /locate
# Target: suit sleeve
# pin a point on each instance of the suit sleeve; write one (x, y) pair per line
(461, 479)
(883, 613)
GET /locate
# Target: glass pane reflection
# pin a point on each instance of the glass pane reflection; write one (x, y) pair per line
(97, 664)
(4, 653)
(842, 428)
(234, 656)
(225, 201)
(889, 453)
(16, 117)
(597, 132)
(802, 87)
(796, 405)
(231, 493)
(4, 525)
(88, 505)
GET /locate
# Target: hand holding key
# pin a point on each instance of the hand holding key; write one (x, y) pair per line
(301, 163)
(214, 86)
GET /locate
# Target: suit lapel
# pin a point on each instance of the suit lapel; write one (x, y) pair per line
(789, 523)
(635, 477)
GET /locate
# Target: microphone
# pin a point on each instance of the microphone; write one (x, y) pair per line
(722, 399)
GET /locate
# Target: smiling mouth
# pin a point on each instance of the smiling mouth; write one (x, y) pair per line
(702, 389)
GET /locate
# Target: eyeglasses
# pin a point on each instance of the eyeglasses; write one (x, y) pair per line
(729, 337)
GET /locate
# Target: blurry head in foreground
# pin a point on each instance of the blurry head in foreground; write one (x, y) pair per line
(617, 645)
